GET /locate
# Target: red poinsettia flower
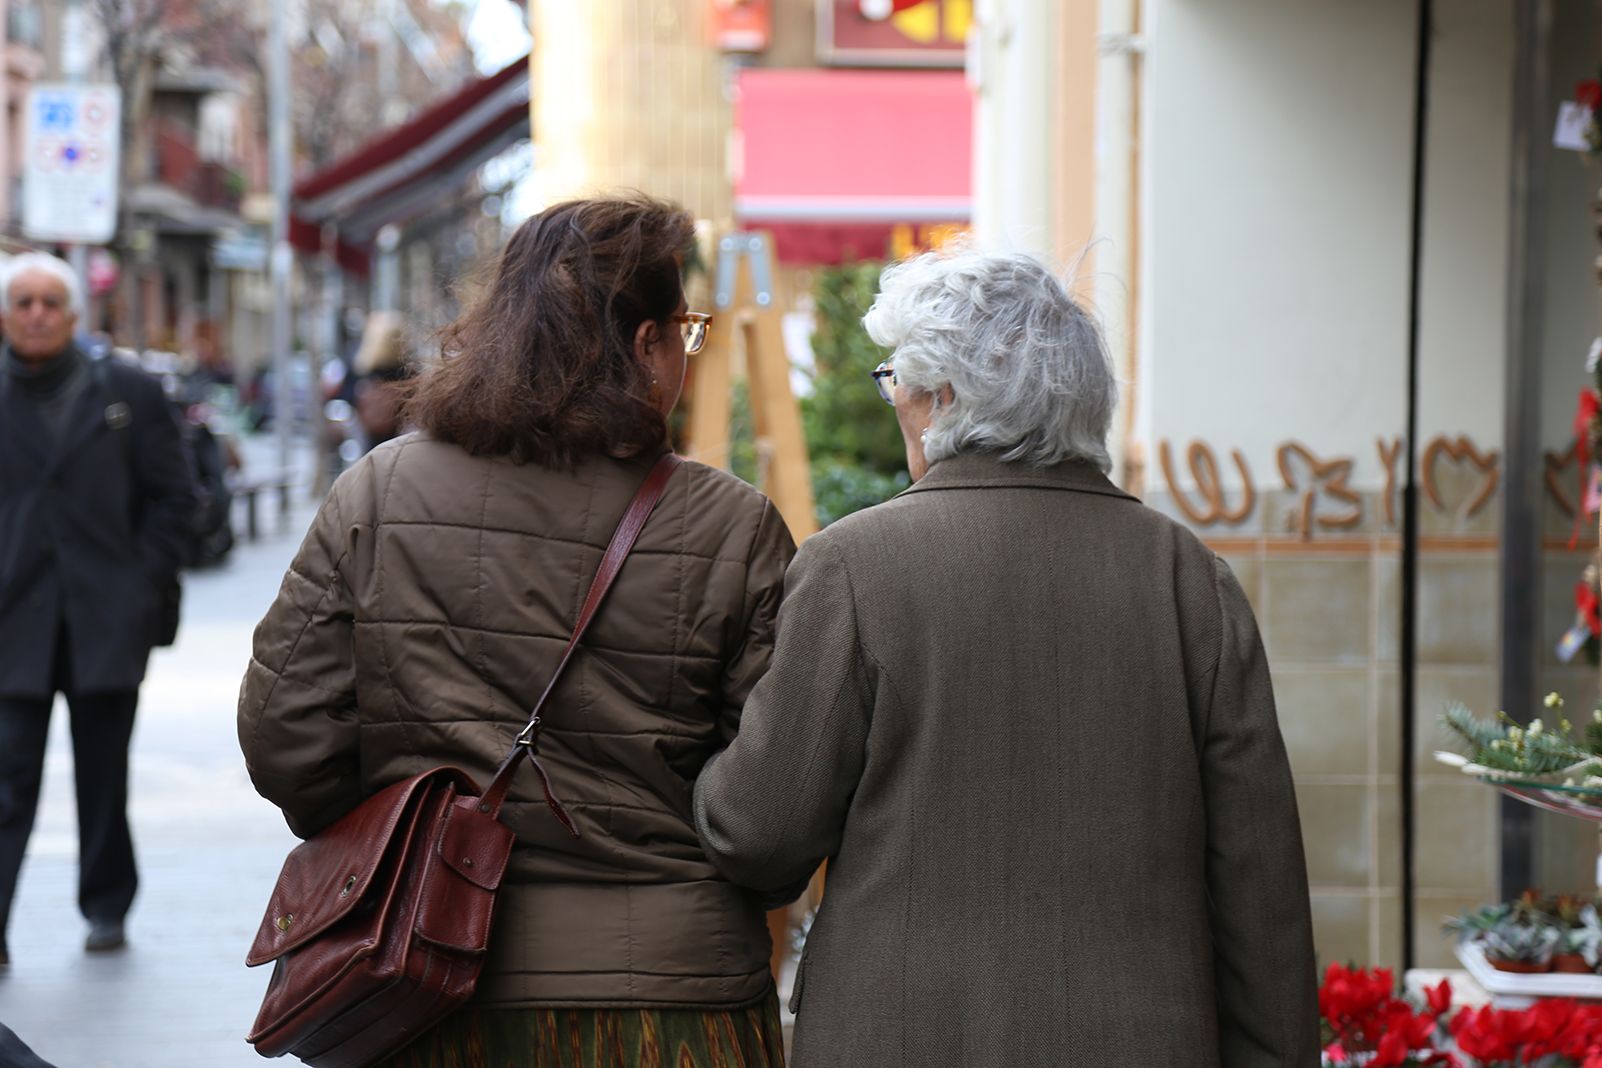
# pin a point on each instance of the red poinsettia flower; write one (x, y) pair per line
(1352, 999)
(1439, 997)
(1392, 1052)
(1482, 1034)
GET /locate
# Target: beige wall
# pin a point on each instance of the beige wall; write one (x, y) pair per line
(1277, 193)
(1277, 189)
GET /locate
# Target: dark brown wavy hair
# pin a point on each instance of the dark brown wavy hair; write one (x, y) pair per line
(543, 369)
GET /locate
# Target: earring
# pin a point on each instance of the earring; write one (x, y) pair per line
(924, 437)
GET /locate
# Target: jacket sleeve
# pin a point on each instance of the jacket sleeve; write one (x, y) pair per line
(771, 552)
(297, 705)
(772, 806)
(1265, 972)
(166, 486)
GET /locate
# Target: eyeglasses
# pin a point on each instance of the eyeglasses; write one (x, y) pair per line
(884, 379)
(693, 325)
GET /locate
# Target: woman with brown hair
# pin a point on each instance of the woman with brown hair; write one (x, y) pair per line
(431, 600)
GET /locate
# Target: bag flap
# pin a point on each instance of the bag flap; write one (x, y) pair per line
(474, 845)
(329, 874)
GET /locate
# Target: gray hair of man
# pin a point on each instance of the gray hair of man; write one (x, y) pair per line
(1029, 372)
(44, 263)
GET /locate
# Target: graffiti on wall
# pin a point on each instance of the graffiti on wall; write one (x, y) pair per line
(1457, 477)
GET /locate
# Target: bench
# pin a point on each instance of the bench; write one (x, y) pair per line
(250, 488)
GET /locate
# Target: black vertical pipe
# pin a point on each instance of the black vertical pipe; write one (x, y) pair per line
(1409, 672)
(1521, 514)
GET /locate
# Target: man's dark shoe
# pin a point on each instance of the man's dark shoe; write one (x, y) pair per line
(5, 957)
(104, 936)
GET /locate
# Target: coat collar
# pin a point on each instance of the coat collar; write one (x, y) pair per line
(28, 431)
(986, 470)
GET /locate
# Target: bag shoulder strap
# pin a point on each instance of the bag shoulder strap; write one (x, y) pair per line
(617, 551)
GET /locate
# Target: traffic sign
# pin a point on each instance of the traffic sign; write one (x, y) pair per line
(69, 183)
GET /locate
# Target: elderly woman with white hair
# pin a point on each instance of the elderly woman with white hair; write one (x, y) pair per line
(1029, 724)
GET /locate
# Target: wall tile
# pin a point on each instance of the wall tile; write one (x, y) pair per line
(1342, 926)
(1388, 721)
(1388, 843)
(1387, 911)
(1431, 947)
(1455, 837)
(1249, 573)
(1335, 833)
(1565, 854)
(1458, 609)
(1388, 607)
(1317, 610)
(1324, 716)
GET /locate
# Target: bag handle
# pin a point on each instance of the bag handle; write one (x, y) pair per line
(617, 551)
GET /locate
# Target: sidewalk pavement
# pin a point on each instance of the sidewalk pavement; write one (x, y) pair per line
(209, 850)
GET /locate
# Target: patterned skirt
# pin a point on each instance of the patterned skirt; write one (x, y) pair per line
(751, 1037)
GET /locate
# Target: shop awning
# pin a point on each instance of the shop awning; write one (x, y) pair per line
(847, 151)
(402, 172)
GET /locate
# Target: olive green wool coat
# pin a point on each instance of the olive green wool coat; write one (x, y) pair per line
(1029, 722)
(424, 615)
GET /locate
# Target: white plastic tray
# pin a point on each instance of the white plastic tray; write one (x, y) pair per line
(1511, 990)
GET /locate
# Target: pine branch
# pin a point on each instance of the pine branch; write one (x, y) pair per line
(1478, 733)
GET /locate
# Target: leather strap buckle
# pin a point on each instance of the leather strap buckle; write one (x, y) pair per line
(529, 737)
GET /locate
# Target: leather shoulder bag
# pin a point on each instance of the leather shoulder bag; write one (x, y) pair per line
(379, 923)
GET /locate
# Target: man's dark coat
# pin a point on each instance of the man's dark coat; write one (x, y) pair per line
(92, 527)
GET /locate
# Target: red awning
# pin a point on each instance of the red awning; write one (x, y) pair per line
(848, 151)
(392, 178)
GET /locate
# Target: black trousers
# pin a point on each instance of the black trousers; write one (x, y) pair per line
(102, 725)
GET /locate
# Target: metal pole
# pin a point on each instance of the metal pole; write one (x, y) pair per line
(386, 272)
(1409, 673)
(325, 351)
(1521, 500)
(73, 73)
(283, 257)
(5, 112)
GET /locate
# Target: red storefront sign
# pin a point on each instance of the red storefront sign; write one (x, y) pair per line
(852, 164)
(898, 33)
(742, 25)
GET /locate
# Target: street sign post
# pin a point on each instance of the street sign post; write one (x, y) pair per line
(70, 163)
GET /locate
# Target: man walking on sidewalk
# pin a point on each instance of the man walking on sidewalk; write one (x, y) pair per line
(95, 508)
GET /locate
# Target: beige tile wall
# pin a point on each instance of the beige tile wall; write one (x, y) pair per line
(1330, 609)
(1455, 830)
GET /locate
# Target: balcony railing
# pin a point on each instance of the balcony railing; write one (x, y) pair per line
(179, 166)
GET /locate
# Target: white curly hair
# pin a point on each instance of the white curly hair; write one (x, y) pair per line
(1029, 373)
(43, 263)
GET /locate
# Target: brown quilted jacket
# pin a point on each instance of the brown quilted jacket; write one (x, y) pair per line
(419, 622)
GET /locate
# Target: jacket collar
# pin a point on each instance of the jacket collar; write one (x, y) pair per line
(986, 470)
(28, 431)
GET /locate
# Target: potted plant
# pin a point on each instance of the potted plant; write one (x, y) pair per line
(1514, 944)
(1474, 923)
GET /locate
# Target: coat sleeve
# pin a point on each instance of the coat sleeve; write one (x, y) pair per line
(297, 705)
(771, 552)
(1265, 972)
(772, 806)
(166, 486)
